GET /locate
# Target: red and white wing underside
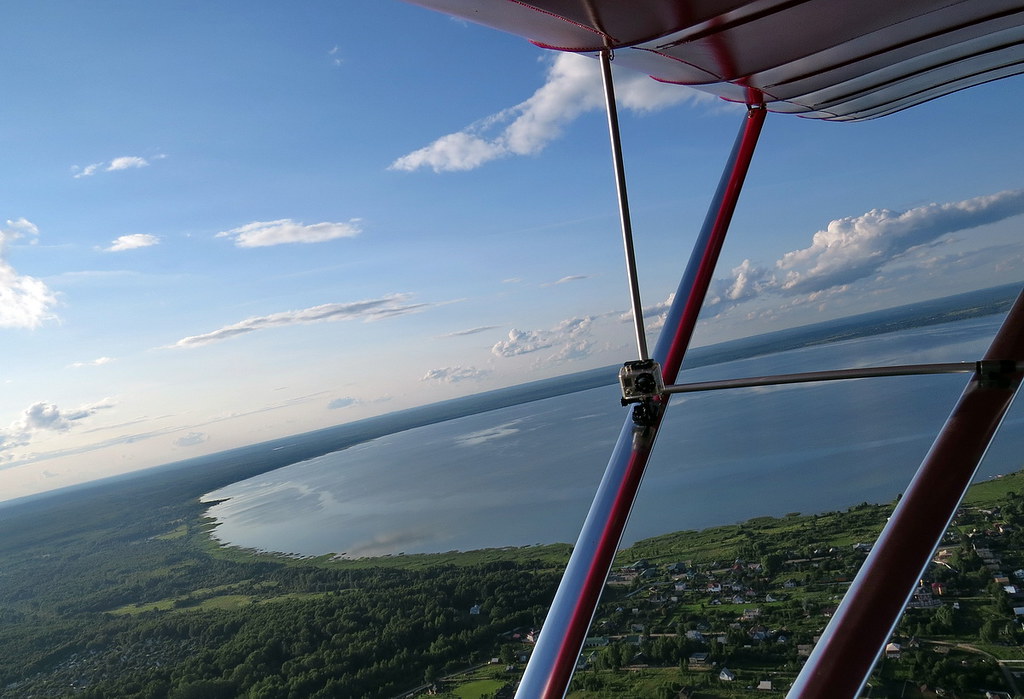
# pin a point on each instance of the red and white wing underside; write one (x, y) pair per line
(824, 59)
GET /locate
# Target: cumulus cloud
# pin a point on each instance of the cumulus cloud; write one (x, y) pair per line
(858, 247)
(454, 374)
(572, 88)
(372, 309)
(99, 361)
(42, 417)
(191, 439)
(133, 241)
(569, 338)
(260, 234)
(25, 301)
(125, 162)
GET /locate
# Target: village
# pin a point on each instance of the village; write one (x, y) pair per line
(670, 626)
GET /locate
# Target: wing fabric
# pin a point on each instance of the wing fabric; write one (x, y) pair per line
(822, 59)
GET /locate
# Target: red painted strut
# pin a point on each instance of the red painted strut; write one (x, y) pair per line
(554, 658)
(844, 657)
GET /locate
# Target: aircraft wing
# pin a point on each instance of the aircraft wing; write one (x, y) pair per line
(825, 59)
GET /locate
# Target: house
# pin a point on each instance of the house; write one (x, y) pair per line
(727, 675)
(765, 685)
(893, 651)
(475, 610)
(758, 633)
(700, 661)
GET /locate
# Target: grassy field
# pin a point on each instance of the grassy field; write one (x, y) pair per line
(991, 492)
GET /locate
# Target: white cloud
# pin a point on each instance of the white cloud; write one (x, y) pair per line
(372, 309)
(25, 301)
(335, 54)
(470, 331)
(859, 247)
(133, 241)
(125, 162)
(573, 87)
(191, 439)
(454, 374)
(43, 417)
(566, 280)
(656, 313)
(569, 337)
(265, 233)
(99, 361)
(523, 342)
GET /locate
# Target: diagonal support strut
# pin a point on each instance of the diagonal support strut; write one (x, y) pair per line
(843, 659)
(554, 658)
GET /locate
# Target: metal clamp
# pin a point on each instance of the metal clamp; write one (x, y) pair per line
(996, 373)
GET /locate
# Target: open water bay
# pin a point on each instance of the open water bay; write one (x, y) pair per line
(526, 474)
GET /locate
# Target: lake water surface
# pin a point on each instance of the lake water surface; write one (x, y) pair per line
(526, 474)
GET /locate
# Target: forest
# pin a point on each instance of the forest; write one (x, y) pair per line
(109, 596)
(120, 591)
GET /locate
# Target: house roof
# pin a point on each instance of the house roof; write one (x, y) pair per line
(824, 59)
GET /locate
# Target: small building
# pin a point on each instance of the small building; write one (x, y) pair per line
(765, 685)
(727, 675)
(700, 661)
(893, 651)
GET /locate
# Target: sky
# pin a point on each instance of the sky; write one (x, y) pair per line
(223, 223)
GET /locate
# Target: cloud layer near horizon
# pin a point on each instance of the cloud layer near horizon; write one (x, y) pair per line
(455, 374)
(45, 417)
(854, 248)
(570, 338)
(573, 87)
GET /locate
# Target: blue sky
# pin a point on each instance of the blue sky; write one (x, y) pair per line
(227, 223)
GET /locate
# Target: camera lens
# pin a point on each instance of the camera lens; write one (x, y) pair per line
(645, 383)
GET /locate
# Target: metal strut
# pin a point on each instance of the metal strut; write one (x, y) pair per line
(985, 370)
(843, 658)
(553, 660)
(620, 188)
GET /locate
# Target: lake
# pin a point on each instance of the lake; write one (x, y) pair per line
(526, 474)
